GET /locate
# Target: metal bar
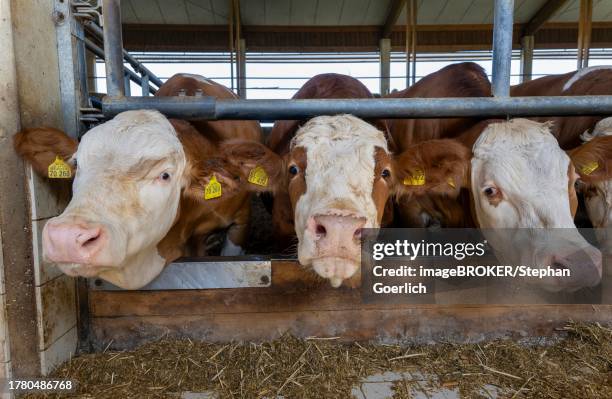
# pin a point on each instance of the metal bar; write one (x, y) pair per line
(502, 47)
(584, 33)
(144, 85)
(385, 66)
(113, 47)
(82, 68)
(188, 274)
(413, 38)
(126, 83)
(91, 46)
(137, 65)
(189, 107)
(241, 68)
(527, 43)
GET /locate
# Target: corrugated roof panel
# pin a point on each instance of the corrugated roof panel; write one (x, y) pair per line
(303, 12)
(128, 16)
(356, 12)
(277, 12)
(328, 12)
(148, 11)
(253, 12)
(173, 11)
(339, 12)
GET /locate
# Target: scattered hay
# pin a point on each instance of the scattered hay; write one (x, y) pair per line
(577, 366)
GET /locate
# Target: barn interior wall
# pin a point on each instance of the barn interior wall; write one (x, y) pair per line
(39, 100)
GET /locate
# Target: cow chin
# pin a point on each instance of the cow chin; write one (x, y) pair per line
(335, 269)
(136, 271)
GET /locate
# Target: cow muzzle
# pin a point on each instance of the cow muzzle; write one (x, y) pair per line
(337, 242)
(584, 265)
(78, 242)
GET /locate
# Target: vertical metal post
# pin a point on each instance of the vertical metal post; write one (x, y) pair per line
(82, 66)
(408, 42)
(385, 66)
(113, 47)
(126, 84)
(144, 84)
(526, 58)
(413, 23)
(584, 33)
(241, 72)
(502, 47)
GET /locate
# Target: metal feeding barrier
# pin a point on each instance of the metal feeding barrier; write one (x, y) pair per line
(500, 105)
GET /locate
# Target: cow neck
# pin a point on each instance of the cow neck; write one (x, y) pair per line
(195, 145)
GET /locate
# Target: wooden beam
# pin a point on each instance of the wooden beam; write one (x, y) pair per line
(431, 38)
(545, 12)
(395, 9)
(301, 303)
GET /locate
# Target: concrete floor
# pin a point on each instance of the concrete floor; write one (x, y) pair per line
(380, 386)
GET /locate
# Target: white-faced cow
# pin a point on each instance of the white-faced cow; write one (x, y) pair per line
(517, 177)
(334, 175)
(140, 197)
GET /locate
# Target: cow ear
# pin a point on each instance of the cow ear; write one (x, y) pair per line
(261, 169)
(432, 167)
(593, 159)
(41, 146)
(213, 178)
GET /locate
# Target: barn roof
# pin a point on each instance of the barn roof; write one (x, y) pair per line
(339, 12)
(345, 25)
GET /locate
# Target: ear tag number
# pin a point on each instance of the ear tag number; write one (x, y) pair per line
(451, 182)
(417, 178)
(589, 168)
(258, 176)
(213, 189)
(59, 169)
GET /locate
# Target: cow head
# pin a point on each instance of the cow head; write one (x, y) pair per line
(336, 178)
(593, 161)
(519, 178)
(129, 175)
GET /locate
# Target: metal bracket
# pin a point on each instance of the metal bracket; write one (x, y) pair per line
(187, 274)
(87, 10)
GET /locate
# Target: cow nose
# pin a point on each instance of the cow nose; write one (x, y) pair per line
(339, 229)
(72, 242)
(585, 267)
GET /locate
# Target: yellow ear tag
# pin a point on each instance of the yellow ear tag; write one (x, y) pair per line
(213, 189)
(59, 169)
(258, 176)
(589, 168)
(417, 178)
(451, 182)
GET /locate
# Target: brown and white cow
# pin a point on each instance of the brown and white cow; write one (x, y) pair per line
(335, 174)
(593, 161)
(139, 190)
(466, 79)
(518, 177)
(446, 210)
(595, 80)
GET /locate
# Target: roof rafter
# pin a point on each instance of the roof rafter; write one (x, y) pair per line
(550, 8)
(395, 9)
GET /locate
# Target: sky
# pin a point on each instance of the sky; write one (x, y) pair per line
(281, 80)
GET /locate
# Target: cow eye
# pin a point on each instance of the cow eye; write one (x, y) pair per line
(293, 169)
(165, 176)
(490, 191)
(578, 185)
(385, 173)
